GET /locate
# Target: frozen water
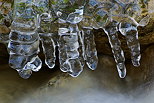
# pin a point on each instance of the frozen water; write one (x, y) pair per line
(124, 16)
(24, 40)
(48, 46)
(69, 57)
(70, 42)
(131, 33)
(68, 24)
(90, 49)
(111, 31)
(46, 37)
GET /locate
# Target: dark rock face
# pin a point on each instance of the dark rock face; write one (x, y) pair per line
(3, 54)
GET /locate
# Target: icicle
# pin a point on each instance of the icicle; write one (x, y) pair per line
(70, 40)
(48, 46)
(131, 34)
(68, 24)
(69, 56)
(34, 64)
(24, 40)
(128, 28)
(46, 37)
(111, 31)
(62, 50)
(90, 49)
(87, 24)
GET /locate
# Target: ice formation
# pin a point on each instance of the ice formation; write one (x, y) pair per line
(68, 25)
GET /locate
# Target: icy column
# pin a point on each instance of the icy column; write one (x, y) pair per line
(90, 49)
(94, 17)
(69, 13)
(137, 16)
(48, 44)
(131, 34)
(90, 54)
(24, 40)
(111, 31)
(46, 37)
(69, 55)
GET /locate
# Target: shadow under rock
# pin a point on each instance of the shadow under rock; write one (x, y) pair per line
(13, 87)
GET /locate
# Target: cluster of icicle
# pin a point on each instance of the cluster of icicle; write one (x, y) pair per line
(68, 25)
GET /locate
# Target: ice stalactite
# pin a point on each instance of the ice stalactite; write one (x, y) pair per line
(131, 34)
(90, 52)
(70, 44)
(24, 39)
(119, 15)
(46, 36)
(103, 12)
(128, 27)
(68, 25)
(111, 31)
(90, 49)
(69, 54)
(49, 47)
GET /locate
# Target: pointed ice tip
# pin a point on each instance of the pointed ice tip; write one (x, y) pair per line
(92, 66)
(50, 64)
(121, 70)
(122, 75)
(25, 74)
(136, 63)
(75, 74)
(36, 64)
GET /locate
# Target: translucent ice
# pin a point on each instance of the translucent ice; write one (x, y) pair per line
(111, 31)
(46, 37)
(119, 15)
(24, 40)
(70, 39)
(68, 25)
(69, 56)
(90, 49)
(34, 64)
(131, 34)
